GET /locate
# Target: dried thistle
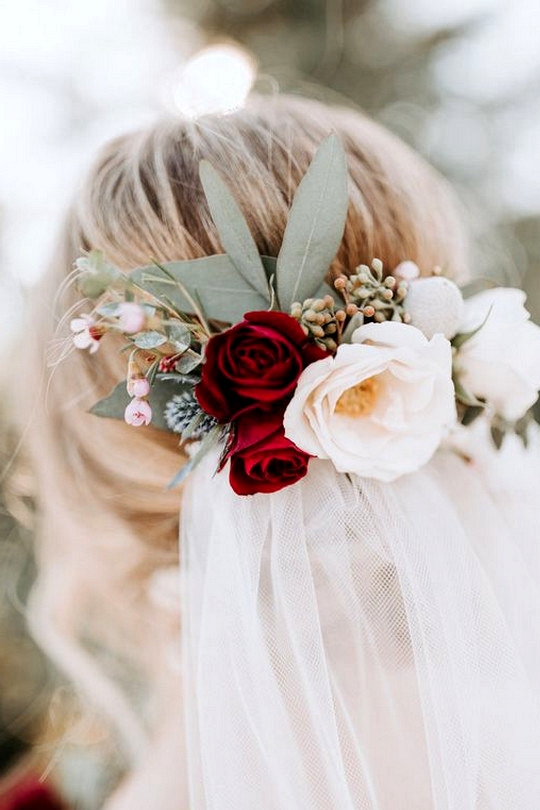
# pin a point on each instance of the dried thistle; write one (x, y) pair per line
(184, 414)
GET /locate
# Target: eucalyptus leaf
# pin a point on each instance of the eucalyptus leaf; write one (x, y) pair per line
(523, 434)
(233, 230)
(108, 310)
(463, 337)
(161, 392)
(498, 436)
(191, 379)
(269, 264)
(213, 280)
(190, 429)
(465, 397)
(326, 289)
(471, 414)
(114, 404)
(179, 335)
(521, 428)
(153, 371)
(188, 362)
(315, 226)
(355, 323)
(149, 340)
(211, 439)
(97, 275)
(477, 285)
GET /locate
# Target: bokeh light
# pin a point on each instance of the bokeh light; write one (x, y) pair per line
(217, 79)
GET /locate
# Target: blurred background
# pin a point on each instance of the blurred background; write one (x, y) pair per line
(457, 79)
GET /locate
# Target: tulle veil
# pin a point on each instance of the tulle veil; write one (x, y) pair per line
(350, 644)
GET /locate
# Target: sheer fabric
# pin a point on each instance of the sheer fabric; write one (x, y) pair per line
(352, 644)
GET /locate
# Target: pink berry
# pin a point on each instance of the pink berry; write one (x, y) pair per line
(132, 317)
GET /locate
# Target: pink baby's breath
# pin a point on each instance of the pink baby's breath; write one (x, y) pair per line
(132, 317)
(138, 412)
(85, 336)
(138, 387)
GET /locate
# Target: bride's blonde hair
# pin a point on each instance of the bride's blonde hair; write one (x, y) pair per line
(106, 518)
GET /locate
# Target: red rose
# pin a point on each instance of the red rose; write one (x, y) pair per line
(30, 795)
(254, 364)
(262, 458)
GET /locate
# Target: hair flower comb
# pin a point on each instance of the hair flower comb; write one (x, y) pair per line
(261, 358)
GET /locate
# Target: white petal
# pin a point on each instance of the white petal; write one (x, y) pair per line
(79, 324)
(390, 333)
(83, 340)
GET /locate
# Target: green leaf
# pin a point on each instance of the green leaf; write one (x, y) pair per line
(315, 225)
(471, 413)
(213, 280)
(179, 335)
(233, 230)
(521, 427)
(211, 439)
(161, 392)
(465, 397)
(355, 323)
(188, 362)
(326, 289)
(477, 285)
(108, 310)
(190, 428)
(149, 340)
(460, 339)
(497, 435)
(97, 275)
(113, 405)
(269, 264)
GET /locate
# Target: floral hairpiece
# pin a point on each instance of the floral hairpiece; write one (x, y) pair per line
(260, 357)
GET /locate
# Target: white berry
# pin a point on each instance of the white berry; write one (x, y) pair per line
(435, 305)
(407, 271)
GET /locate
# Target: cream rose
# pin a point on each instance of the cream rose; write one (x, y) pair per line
(381, 406)
(501, 363)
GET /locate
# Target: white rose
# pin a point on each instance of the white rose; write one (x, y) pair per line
(381, 406)
(501, 363)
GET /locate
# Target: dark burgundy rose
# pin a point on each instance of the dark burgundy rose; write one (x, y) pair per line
(262, 458)
(254, 364)
(30, 795)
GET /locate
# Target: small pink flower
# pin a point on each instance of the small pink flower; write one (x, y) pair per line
(138, 412)
(138, 387)
(131, 317)
(85, 334)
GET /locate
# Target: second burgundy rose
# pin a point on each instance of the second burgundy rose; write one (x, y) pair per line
(262, 458)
